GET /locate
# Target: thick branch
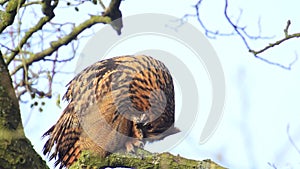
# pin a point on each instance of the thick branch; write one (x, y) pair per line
(63, 41)
(2, 2)
(9, 115)
(16, 150)
(113, 11)
(144, 159)
(7, 17)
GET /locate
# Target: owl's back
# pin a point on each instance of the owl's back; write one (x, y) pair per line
(114, 104)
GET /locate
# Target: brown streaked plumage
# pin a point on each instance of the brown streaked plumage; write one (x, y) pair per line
(114, 104)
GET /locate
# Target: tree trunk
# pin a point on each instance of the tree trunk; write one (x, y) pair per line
(16, 150)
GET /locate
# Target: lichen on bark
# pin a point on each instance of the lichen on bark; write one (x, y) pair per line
(141, 160)
(16, 151)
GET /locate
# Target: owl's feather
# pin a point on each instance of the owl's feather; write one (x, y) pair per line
(114, 104)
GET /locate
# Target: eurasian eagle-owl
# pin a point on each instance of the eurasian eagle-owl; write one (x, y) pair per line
(114, 104)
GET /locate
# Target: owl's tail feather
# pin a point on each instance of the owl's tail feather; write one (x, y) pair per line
(65, 136)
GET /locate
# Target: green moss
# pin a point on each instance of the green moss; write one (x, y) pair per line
(3, 18)
(141, 160)
(19, 154)
(16, 151)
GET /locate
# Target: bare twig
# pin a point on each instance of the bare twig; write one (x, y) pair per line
(243, 34)
(209, 33)
(102, 4)
(272, 165)
(32, 3)
(286, 30)
(291, 139)
(271, 45)
(60, 61)
(64, 41)
(19, 55)
(29, 34)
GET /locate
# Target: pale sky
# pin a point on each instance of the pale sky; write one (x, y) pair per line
(261, 99)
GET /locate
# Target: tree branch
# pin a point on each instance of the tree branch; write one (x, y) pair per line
(291, 139)
(287, 37)
(7, 17)
(16, 150)
(63, 41)
(143, 159)
(28, 34)
(48, 11)
(243, 34)
(114, 12)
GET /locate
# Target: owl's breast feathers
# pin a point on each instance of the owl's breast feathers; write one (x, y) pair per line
(114, 104)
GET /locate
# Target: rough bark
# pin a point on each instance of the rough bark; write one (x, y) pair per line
(7, 17)
(16, 150)
(142, 160)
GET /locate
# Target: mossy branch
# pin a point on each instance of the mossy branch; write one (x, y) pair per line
(55, 45)
(49, 14)
(7, 17)
(111, 13)
(16, 150)
(142, 160)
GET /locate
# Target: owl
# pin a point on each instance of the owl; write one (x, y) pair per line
(115, 104)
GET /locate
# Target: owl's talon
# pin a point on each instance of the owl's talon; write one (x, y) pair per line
(139, 144)
(132, 144)
(129, 147)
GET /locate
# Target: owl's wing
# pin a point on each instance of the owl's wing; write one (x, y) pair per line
(106, 100)
(100, 94)
(66, 136)
(87, 80)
